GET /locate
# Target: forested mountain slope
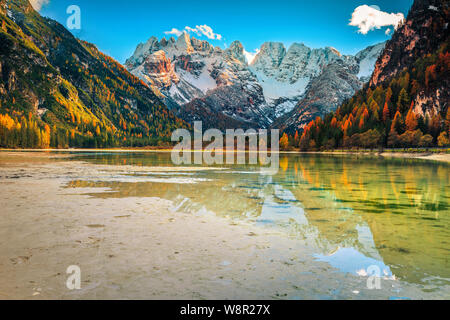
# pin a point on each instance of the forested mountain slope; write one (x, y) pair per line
(406, 101)
(58, 91)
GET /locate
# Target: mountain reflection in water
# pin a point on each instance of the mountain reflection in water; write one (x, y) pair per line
(353, 211)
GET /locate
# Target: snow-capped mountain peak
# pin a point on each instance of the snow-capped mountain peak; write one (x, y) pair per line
(236, 51)
(183, 43)
(198, 78)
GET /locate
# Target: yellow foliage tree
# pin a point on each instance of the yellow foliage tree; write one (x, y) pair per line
(284, 141)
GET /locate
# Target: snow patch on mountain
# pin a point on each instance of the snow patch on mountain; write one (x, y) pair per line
(367, 59)
(274, 89)
(203, 81)
(250, 56)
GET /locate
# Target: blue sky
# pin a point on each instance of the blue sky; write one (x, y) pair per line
(116, 27)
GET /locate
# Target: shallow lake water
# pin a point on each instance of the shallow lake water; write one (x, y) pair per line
(355, 212)
(318, 228)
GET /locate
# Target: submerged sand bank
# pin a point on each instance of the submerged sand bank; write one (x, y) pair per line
(142, 248)
(442, 157)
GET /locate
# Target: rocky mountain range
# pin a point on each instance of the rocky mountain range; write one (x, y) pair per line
(59, 91)
(201, 82)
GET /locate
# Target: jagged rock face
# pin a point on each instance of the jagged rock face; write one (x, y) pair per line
(297, 63)
(323, 95)
(186, 63)
(426, 27)
(269, 58)
(285, 75)
(236, 52)
(197, 70)
(200, 78)
(305, 75)
(158, 69)
(227, 105)
(184, 44)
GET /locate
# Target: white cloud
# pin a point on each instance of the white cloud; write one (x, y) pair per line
(250, 56)
(388, 31)
(174, 31)
(202, 30)
(368, 18)
(193, 30)
(37, 4)
(208, 32)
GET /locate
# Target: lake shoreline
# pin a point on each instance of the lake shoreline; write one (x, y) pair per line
(432, 156)
(442, 157)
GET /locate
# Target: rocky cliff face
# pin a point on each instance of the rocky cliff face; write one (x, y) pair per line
(159, 70)
(269, 58)
(425, 28)
(292, 76)
(330, 78)
(423, 33)
(297, 63)
(193, 76)
(200, 76)
(323, 94)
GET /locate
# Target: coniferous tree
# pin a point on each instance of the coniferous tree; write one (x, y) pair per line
(386, 115)
(403, 101)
